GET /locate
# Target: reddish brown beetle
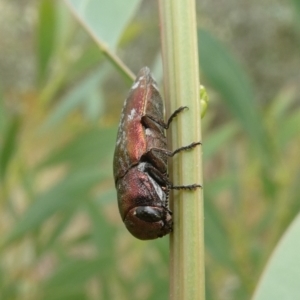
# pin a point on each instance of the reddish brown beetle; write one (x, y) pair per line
(140, 161)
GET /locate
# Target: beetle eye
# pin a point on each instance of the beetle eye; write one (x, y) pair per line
(148, 214)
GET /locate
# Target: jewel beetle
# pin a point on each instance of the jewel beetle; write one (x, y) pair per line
(140, 161)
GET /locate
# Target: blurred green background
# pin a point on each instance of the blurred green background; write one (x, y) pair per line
(60, 101)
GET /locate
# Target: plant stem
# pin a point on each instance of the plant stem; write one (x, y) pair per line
(181, 82)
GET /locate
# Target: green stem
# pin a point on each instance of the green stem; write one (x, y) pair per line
(181, 75)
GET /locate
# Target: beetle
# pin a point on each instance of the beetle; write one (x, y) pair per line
(140, 161)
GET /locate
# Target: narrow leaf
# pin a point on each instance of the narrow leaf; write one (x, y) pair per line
(105, 19)
(227, 77)
(85, 150)
(280, 279)
(9, 146)
(45, 35)
(68, 191)
(75, 98)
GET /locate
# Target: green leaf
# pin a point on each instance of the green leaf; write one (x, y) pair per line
(72, 274)
(45, 35)
(102, 230)
(289, 129)
(87, 61)
(75, 98)
(297, 8)
(3, 114)
(227, 77)
(87, 149)
(217, 239)
(94, 105)
(217, 139)
(68, 192)
(105, 19)
(280, 279)
(9, 146)
(60, 226)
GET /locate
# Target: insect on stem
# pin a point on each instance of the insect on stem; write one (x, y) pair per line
(141, 161)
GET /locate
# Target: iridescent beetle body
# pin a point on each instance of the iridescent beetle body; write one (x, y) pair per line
(140, 161)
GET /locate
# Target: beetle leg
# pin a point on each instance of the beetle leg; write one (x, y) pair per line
(164, 180)
(185, 187)
(167, 209)
(160, 178)
(190, 146)
(161, 122)
(147, 120)
(174, 114)
(172, 153)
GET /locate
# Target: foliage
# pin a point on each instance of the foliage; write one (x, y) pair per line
(61, 234)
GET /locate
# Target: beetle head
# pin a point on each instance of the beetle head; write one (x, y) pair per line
(143, 205)
(148, 222)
